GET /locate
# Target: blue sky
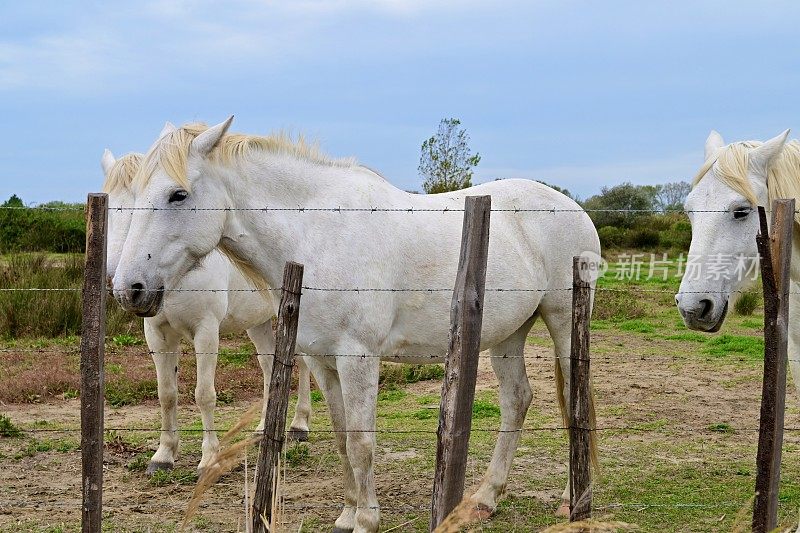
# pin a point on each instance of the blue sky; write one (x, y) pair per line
(578, 93)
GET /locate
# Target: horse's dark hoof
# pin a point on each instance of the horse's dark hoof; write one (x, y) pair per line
(155, 466)
(298, 435)
(342, 530)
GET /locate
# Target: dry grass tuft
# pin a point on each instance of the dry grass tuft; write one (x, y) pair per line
(227, 459)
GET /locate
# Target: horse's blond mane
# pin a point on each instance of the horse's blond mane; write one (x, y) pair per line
(172, 150)
(121, 175)
(783, 178)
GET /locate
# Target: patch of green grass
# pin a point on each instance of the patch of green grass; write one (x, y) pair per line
(238, 358)
(176, 476)
(113, 368)
(391, 395)
(425, 414)
(752, 323)
(638, 326)
(297, 454)
(139, 462)
(691, 336)
(225, 397)
(651, 426)
(316, 396)
(124, 392)
(599, 325)
(485, 409)
(428, 399)
(71, 394)
(125, 339)
(8, 428)
(727, 344)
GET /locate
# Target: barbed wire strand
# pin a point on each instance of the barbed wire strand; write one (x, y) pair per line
(370, 209)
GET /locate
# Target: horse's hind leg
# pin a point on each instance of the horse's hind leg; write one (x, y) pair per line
(557, 316)
(515, 397)
(328, 381)
(164, 345)
(206, 346)
(264, 341)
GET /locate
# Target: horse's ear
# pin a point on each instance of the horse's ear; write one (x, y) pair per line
(763, 156)
(206, 141)
(168, 128)
(713, 143)
(107, 161)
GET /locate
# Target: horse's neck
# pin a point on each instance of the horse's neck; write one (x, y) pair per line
(269, 238)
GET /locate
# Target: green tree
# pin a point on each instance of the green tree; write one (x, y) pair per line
(620, 206)
(671, 196)
(446, 161)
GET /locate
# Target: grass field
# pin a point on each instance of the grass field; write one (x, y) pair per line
(677, 412)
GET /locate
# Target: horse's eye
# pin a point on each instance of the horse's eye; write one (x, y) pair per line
(178, 196)
(741, 212)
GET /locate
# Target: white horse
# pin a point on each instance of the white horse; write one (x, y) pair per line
(202, 167)
(733, 182)
(199, 317)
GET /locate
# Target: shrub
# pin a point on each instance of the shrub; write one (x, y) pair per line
(8, 428)
(50, 313)
(643, 238)
(611, 237)
(41, 230)
(747, 302)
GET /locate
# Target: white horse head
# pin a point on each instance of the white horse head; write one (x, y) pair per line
(119, 175)
(171, 178)
(722, 208)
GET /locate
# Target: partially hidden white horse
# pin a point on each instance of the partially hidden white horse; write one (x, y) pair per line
(722, 207)
(530, 255)
(199, 317)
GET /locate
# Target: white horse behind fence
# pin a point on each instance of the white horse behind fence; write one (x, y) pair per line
(200, 317)
(735, 180)
(250, 192)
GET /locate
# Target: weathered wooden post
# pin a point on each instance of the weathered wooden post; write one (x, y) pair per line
(580, 480)
(275, 419)
(461, 366)
(93, 334)
(776, 252)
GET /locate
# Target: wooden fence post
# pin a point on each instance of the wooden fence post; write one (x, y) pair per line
(776, 252)
(267, 472)
(93, 336)
(461, 366)
(580, 481)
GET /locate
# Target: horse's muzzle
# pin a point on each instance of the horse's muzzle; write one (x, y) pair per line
(141, 301)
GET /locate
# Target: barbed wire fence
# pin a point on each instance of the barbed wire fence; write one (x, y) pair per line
(774, 374)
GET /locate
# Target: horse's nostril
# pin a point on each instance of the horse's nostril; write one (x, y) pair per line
(677, 300)
(137, 292)
(708, 305)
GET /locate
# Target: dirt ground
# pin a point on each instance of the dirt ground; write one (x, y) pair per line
(683, 409)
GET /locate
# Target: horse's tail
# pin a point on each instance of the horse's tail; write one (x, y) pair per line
(562, 405)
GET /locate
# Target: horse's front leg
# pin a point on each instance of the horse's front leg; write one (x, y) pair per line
(794, 335)
(206, 346)
(164, 345)
(298, 429)
(359, 382)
